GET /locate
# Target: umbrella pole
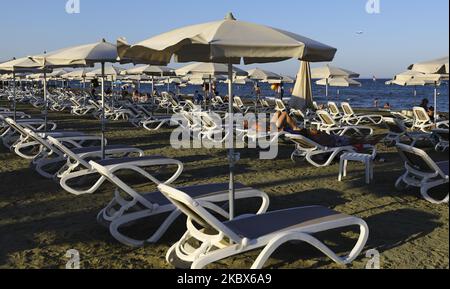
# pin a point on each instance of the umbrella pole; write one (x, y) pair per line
(153, 85)
(256, 100)
(14, 92)
(209, 90)
(231, 140)
(435, 103)
(326, 88)
(45, 101)
(103, 110)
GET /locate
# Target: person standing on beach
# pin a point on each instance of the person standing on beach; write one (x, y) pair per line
(281, 91)
(257, 90)
(376, 103)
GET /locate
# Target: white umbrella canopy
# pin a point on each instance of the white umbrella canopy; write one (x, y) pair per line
(410, 82)
(78, 74)
(331, 72)
(58, 73)
(135, 77)
(263, 75)
(80, 56)
(437, 66)
(109, 70)
(150, 70)
(23, 64)
(209, 69)
(20, 65)
(339, 82)
(435, 70)
(302, 95)
(328, 72)
(227, 41)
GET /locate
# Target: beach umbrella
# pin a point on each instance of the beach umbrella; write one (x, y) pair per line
(284, 79)
(438, 69)
(411, 78)
(208, 70)
(212, 69)
(339, 82)
(228, 41)
(437, 66)
(328, 72)
(263, 75)
(57, 75)
(81, 56)
(151, 70)
(260, 75)
(20, 65)
(302, 95)
(78, 74)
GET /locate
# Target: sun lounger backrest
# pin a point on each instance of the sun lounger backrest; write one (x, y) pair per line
(66, 150)
(417, 158)
(304, 142)
(348, 110)
(238, 101)
(207, 120)
(190, 104)
(16, 126)
(219, 100)
(34, 136)
(196, 212)
(264, 103)
(298, 114)
(421, 115)
(279, 105)
(326, 118)
(333, 108)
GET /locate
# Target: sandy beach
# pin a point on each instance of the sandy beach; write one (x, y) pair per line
(39, 222)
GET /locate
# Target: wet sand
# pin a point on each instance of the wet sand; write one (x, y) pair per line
(39, 222)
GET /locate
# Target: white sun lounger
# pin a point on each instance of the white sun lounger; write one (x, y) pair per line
(308, 149)
(398, 133)
(356, 119)
(120, 212)
(334, 111)
(330, 126)
(422, 172)
(220, 240)
(441, 136)
(423, 122)
(28, 148)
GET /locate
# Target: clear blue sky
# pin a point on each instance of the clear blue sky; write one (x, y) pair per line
(403, 33)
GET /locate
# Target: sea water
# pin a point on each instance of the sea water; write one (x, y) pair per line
(399, 97)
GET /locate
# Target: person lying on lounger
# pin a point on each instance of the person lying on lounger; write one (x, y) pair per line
(338, 141)
(283, 122)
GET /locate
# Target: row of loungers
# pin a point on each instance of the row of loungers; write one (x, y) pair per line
(217, 239)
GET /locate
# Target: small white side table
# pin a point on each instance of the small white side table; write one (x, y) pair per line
(366, 159)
